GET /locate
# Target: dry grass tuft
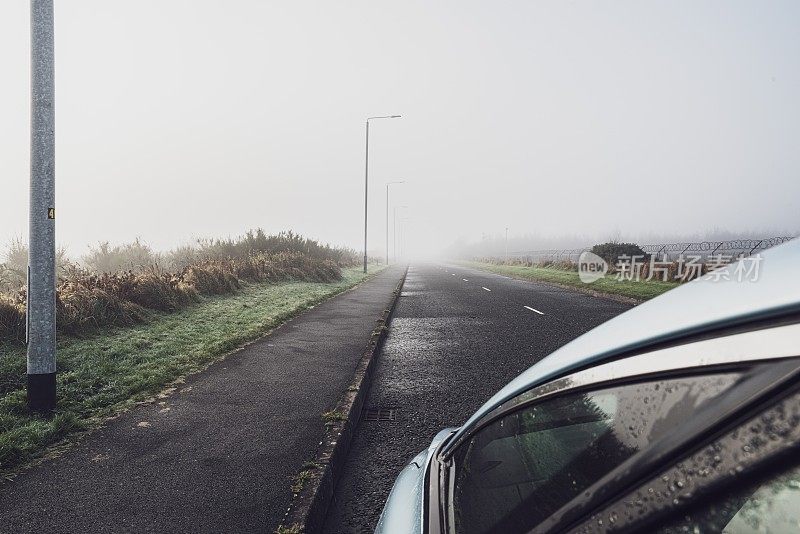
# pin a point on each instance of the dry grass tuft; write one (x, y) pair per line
(91, 298)
(12, 320)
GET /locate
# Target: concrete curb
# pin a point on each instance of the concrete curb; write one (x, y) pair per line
(315, 484)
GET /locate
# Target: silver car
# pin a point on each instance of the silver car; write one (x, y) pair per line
(681, 415)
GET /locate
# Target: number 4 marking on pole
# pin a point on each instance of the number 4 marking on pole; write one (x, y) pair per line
(51, 213)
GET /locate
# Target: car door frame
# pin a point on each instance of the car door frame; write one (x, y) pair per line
(742, 351)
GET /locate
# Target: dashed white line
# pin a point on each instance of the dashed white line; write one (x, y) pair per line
(464, 279)
(533, 310)
(452, 274)
(486, 289)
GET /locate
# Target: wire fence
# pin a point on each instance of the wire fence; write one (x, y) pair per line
(703, 250)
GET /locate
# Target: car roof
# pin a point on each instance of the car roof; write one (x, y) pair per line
(705, 304)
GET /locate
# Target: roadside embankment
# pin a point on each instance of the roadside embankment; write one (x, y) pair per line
(634, 290)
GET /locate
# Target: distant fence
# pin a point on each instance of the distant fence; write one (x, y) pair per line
(666, 251)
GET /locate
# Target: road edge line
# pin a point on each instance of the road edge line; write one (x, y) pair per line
(317, 481)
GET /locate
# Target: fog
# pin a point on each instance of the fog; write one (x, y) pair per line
(569, 121)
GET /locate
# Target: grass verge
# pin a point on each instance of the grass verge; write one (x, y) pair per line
(107, 372)
(643, 290)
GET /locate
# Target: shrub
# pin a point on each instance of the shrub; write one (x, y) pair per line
(10, 280)
(612, 252)
(13, 272)
(134, 256)
(80, 309)
(256, 242)
(87, 299)
(12, 320)
(210, 279)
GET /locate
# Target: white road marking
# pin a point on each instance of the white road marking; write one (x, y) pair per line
(534, 310)
(486, 289)
(464, 279)
(452, 274)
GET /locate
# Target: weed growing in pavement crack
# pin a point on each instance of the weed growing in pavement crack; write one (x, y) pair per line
(299, 482)
(291, 529)
(311, 464)
(333, 415)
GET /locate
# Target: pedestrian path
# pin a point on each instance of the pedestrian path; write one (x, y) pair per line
(218, 454)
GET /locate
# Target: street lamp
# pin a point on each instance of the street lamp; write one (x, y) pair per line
(387, 215)
(366, 182)
(394, 237)
(41, 294)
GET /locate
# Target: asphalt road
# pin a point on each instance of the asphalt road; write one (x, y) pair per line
(457, 336)
(217, 454)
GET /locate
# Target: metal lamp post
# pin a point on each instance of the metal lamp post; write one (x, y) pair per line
(41, 303)
(387, 215)
(366, 182)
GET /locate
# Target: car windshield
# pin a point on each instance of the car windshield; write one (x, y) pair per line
(526, 465)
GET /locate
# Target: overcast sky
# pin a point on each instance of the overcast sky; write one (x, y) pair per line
(180, 119)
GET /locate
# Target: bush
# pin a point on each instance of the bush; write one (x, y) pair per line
(134, 256)
(12, 320)
(612, 252)
(14, 271)
(80, 309)
(87, 299)
(256, 242)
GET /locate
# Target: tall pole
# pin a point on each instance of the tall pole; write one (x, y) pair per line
(387, 216)
(366, 182)
(41, 304)
(366, 195)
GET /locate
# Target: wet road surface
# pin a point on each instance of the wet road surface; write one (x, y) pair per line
(457, 336)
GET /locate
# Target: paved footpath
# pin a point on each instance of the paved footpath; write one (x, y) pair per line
(217, 455)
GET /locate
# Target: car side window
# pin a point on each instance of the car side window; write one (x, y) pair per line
(746, 480)
(522, 467)
(773, 505)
